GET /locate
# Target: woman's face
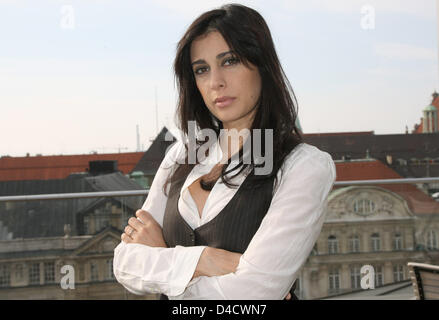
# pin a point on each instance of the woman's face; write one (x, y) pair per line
(219, 74)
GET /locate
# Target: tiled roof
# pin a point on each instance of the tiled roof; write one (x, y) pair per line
(61, 166)
(364, 170)
(418, 202)
(404, 146)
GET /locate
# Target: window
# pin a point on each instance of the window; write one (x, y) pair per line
(364, 206)
(334, 280)
(432, 240)
(5, 275)
(94, 275)
(376, 242)
(355, 277)
(397, 241)
(332, 245)
(354, 244)
(34, 273)
(110, 273)
(379, 279)
(49, 272)
(398, 273)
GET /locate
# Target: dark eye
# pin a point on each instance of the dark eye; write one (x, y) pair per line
(197, 70)
(232, 60)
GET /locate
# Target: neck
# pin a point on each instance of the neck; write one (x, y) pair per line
(232, 140)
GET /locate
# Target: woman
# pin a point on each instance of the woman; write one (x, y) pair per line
(221, 227)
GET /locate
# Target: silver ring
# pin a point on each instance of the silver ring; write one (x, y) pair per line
(129, 232)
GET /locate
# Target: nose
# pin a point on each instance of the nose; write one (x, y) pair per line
(217, 79)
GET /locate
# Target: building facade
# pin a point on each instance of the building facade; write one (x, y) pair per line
(369, 226)
(66, 268)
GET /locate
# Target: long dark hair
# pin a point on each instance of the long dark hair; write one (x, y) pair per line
(248, 35)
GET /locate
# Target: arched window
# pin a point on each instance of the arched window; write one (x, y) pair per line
(332, 244)
(354, 244)
(376, 242)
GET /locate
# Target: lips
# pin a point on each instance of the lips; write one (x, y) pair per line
(224, 101)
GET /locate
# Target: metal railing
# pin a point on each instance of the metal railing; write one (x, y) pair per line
(76, 195)
(124, 193)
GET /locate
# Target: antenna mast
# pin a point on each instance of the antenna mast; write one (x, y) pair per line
(138, 138)
(437, 28)
(157, 112)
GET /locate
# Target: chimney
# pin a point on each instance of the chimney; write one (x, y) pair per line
(99, 167)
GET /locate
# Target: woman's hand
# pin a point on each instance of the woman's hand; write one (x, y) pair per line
(144, 230)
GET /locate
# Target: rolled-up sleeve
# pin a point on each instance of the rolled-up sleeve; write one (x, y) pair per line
(285, 238)
(142, 269)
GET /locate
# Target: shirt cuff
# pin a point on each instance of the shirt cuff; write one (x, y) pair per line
(184, 265)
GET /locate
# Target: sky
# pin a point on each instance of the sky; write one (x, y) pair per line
(78, 76)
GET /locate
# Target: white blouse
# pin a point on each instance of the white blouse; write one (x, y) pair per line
(276, 253)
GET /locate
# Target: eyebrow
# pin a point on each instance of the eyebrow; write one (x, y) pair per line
(200, 61)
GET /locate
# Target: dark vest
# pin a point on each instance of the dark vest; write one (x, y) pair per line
(232, 229)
